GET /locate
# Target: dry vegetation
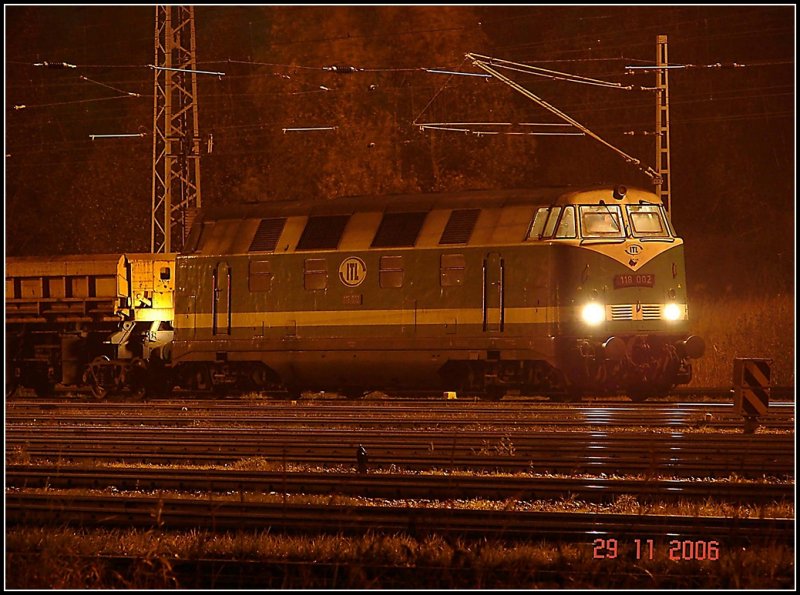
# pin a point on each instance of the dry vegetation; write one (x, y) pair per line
(746, 326)
(42, 558)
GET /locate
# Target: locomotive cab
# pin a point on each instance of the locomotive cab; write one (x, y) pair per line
(621, 289)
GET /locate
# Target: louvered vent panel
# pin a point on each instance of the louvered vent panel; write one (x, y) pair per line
(266, 238)
(459, 227)
(398, 230)
(323, 233)
(651, 312)
(621, 312)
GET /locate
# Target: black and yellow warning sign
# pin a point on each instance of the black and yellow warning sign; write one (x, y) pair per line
(751, 385)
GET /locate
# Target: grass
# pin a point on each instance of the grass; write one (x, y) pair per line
(75, 559)
(624, 504)
(750, 326)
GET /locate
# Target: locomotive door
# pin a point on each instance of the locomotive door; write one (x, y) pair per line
(493, 293)
(221, 299)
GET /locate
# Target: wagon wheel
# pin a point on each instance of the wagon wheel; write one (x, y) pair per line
(92, 377)
(12, 385)
(138, 379)
(44, 388)
(160, 378)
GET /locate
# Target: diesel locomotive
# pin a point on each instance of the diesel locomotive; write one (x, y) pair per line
(551, 291)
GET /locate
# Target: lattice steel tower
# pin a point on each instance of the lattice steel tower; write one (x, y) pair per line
(662, 124)
(176, 136)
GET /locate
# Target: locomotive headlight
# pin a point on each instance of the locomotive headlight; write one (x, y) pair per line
(672, 312)
(593, 313)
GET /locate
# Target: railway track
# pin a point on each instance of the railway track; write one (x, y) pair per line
(703, 392)
(395, 414)
(398, 486)
(676, 454)
(231, 514)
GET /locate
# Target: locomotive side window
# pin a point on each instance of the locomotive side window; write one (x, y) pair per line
(453, 267)
(551, 222)
(601, 221)
(315, 276)
(537, 225)
(566, 227)
(646, 220)
(392, 271)
(260, 275)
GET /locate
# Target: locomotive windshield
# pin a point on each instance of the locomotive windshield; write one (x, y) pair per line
(647, 220)
(601, 221)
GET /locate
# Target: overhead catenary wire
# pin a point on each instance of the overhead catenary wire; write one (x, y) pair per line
(189, 70)
(424, 127)
(343, 69)
(309, 129)
(139, 134)
(554, 74)
(481, 63)
(460, 127)
(24, 106)
(88, 80)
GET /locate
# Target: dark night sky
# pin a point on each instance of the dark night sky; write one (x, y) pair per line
(732, 137)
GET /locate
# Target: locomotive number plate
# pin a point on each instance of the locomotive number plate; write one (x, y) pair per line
(635, 280)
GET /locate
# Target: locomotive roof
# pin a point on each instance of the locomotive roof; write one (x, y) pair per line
(481, 217)
(423, 202)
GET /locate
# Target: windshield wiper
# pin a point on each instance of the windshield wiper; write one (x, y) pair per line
(611, 214)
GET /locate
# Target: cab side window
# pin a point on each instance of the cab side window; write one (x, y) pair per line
(537, 225)
(551, 222)
(566, 227)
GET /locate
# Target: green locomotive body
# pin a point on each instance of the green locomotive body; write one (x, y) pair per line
(548, 291)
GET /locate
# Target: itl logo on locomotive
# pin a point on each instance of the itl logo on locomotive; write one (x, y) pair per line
(352, 271)
(634, 251)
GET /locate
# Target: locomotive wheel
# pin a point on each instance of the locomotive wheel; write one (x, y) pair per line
(494, 393)
(202, 379)
(293, 393)
(569, 396)
(353, 394)
(640, 395)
